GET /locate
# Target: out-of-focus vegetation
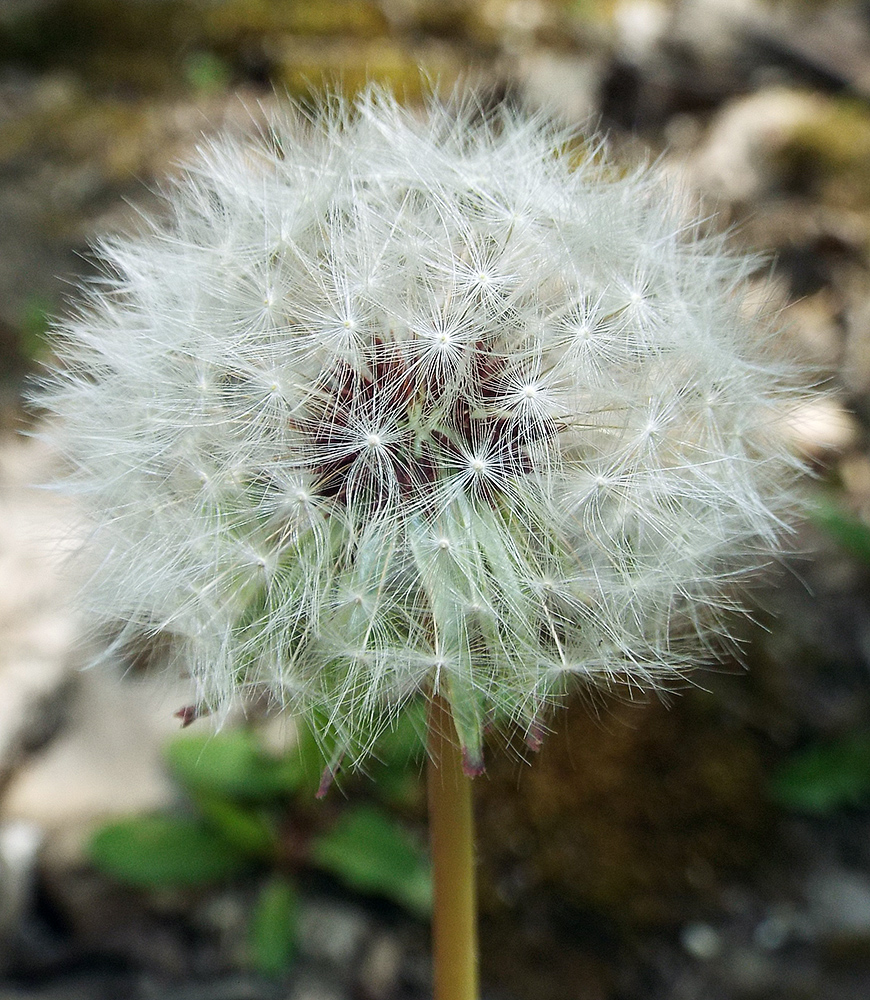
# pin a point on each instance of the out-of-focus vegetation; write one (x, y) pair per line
(828, 775)
(34, 325)
(848, 531)
(828, 156)
(147, 45)
(825, 777)
(253, 813)
(291, 44)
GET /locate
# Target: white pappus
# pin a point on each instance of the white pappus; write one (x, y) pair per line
(397, 403)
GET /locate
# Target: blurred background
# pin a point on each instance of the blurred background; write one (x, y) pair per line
(714, 847)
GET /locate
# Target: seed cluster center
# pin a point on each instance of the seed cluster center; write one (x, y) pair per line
(381, 430)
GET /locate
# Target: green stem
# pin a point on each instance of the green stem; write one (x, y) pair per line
(451, 825)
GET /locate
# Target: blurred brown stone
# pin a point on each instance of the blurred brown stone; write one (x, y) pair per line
(635, 812)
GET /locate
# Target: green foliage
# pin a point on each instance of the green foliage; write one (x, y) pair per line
(825, 777)
(850, 532)
(828, 776)
(273, 928)
(400, 753)
(164, 852)
(33, 325)
(244, 797)
(826, 154)
(249, 830)
(234, 765)
(207, 73)
(368, 851)
(405, 742)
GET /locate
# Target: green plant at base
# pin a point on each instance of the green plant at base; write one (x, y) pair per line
(848, 531)
(245, 801)
(825, 777)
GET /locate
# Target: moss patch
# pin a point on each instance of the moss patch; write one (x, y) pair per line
(306, 66)
(630, 814)
(828, 157)
(147, 46)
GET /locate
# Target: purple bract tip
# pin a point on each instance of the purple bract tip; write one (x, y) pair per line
(472, 767)
(189, 714)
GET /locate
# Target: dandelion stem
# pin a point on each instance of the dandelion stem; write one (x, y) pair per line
(451, 824)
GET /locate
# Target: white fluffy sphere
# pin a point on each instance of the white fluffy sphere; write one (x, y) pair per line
(399, 403)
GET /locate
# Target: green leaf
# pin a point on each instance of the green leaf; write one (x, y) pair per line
(398, 756)
(273, 929)
(371, 852)
(34, 324)
(825, 777)
(206, 72)
(847, 530)
(243, 826)
(164, 851)
(400, 789)
(233, 765)
(404, 742)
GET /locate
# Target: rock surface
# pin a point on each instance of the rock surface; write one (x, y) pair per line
(37, 674)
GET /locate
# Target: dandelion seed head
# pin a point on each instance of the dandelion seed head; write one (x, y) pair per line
(396, 403)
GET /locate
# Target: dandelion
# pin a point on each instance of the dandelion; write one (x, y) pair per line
(399, 405)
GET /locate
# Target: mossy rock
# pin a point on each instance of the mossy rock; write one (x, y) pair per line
(70, 31)
(549, 22)
(147, 45)
(828, 156)
(629, 814)
(235, 19)
(112, 136)
(305, 67)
